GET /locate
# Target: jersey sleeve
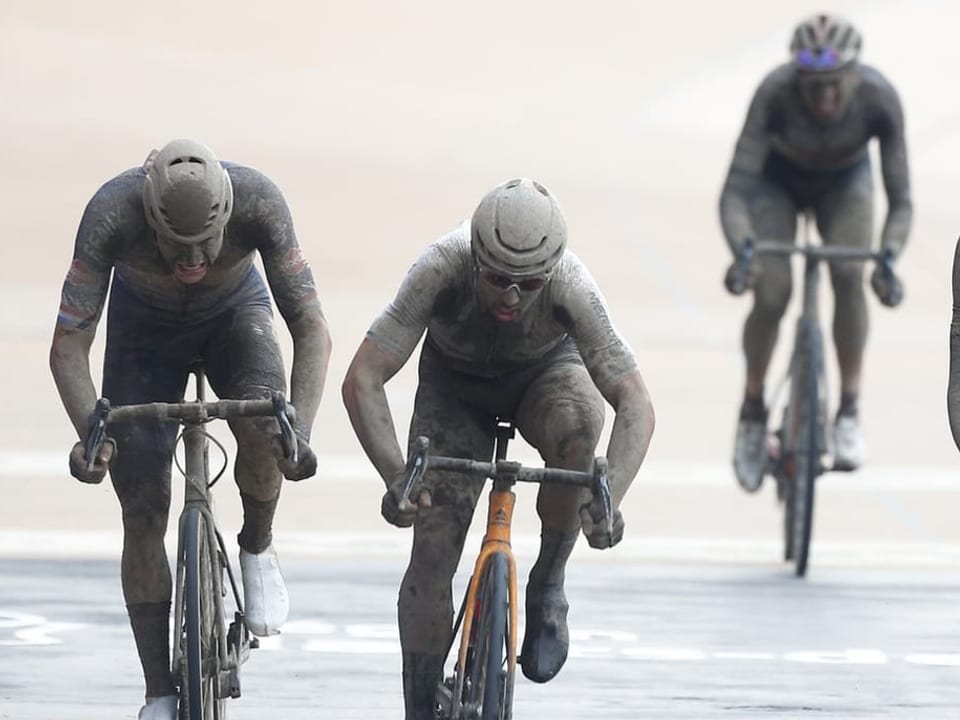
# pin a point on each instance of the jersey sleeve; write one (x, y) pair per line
(264, 216)
(95, 251)
(584, 312)
(399, 327)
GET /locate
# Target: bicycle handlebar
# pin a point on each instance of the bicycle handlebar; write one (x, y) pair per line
(738, 277)
(598, 481)
(194, 412)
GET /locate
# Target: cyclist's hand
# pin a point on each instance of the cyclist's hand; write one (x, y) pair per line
(742, 273)
(390, 504)
(78, 461)
(306, 465)
(886, 284)
(591, 520)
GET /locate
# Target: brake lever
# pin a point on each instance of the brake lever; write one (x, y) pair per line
(601, 489)
(416, 466)
(288, 438)
(98, 432)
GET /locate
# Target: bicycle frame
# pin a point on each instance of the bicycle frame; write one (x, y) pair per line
(802, 433)
(197, 496)
(496, 539)
(496, 544)
(233, 641)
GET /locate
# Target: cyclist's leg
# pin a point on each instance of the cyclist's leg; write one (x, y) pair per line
(774, 214)
(845, 217)
(140, 365)
(561, 415)
(425, 606)
(243, 360)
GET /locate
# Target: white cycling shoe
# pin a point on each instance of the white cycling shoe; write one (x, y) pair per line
(159, 708)
(750, 453)
(264, 592)
(849, 448)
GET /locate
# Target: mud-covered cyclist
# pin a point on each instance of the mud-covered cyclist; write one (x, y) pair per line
(804, 147)
(516, 327)
(180, 235)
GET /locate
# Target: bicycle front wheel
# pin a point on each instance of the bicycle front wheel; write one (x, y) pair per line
(487, 692)
(202, 622)
(807, 457)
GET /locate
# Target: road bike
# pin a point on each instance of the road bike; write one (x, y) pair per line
(207, 653)
(481, 686)
(797, 447)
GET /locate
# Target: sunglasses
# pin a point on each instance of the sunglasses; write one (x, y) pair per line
(505, 282)
(823, 59)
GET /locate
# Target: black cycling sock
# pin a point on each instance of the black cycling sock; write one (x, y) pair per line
(849, 405)
(422, 673)
(257, 532)
(753, 408)
(151, 631)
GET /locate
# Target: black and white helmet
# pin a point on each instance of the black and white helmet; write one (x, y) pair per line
(518, 229)
(822, 43)
(187, 194)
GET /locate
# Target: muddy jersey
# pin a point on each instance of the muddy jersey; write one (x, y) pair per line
(779, 125)
(439, 294)
(114, 235)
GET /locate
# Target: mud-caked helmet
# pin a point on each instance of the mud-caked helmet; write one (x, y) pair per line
(187, 194)
(518, 229)
(822, 43)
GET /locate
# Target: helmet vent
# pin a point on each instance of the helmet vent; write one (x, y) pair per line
(179, 160)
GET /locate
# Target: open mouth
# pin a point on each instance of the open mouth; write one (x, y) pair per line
(190, 273)
(506, 314)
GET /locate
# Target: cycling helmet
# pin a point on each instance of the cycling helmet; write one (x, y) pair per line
(187, 194)
(824, 42)
(518, 229)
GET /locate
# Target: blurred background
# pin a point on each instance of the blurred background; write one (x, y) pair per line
(384, 124)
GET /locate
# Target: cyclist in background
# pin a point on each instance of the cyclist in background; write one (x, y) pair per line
(180, 235)
(516, 328)
(804, 147)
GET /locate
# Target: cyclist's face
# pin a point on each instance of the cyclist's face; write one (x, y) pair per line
(827, 95)
(505, 297)
(190, 261)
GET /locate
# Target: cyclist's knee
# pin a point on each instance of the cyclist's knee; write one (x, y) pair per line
(144, 521)
(847, 278)
(571, 431)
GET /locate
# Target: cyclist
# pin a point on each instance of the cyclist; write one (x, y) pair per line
(516, 328)
(953, 381)
(180, 235)
(804, 147)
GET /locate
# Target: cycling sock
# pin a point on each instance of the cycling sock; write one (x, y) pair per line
(422, 673)
(849, 405)
(546, 639)
(257, 532)
(151, 630)
(753, 408)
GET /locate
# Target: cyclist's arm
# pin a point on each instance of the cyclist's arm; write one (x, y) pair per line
(613, 368)
(750, 154)
(953, 383)
(366, 401)
(261, 205)
(896, 174)
(81, 303)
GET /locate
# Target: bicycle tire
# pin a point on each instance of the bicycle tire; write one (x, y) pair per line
(486, 689)
(807, 459)
(201, 637)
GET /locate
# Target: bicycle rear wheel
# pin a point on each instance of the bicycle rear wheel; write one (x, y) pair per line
(488, 686)
(200, 633)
